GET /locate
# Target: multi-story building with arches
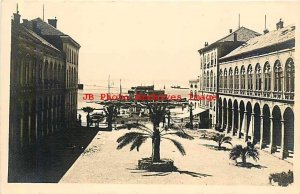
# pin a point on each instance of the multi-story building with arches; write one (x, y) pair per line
(256, 91)
(43, 85)
(209, 66)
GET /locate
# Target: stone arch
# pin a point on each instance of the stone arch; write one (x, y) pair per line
(257, 113)
(249, 79)
(236, 116)
(267, 76)
(266, 126)
(229, 128)
(289, 78)
(242, 111)
(220, 118)
(288, 117)
(224, 113)
(249, 112)
(277, 128)
(278, 78)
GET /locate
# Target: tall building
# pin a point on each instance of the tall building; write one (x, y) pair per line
(43, 87)
(256, 96)
(209, 66)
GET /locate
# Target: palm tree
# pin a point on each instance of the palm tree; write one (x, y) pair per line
(191, 116)
(88, 110)
(245, 152)
(111, 111)
(220, 139)
(138, 138)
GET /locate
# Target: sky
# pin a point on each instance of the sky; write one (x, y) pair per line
(150, 42)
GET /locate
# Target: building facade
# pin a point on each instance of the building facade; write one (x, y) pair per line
(43, 87)
(256, 97)
(209, 66)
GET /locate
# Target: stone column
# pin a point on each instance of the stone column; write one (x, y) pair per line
(271, 134)
(238, 124)
(232, 125)
(36, 125)
(21, 129)
(244, 125)
(251, 128)
(29, 128)
(227, 125)
(261, 131)
(221, 109)
(282, 139)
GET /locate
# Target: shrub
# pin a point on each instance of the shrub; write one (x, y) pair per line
(283, 179)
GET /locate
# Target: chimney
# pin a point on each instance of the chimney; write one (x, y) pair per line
(17, 17)
(279, 25)
(35, 27)
(25, 22)
(230, 31)
(235, 37)
(53, 22)
(206, 44)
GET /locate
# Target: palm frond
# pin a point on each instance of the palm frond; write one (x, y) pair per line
(135, 126)
(178, 145)
(253, 153)
(226, 138)
(236, 152)
(181, 134)
(228, 142)
(128, 138)
(138, 142)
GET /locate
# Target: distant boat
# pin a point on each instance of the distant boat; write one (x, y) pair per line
(178, 87)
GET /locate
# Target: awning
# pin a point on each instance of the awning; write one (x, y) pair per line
(195, 112)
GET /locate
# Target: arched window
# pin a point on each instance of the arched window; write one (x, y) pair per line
(230, 79)
(208, 60)
(207, 80)
(212, 59)
(221, 80)
(236, 79)
(204, 63)
(215, 81)
(191, 85)
(278, 78)
(249, 79)
(225, 79)
(243, 80)
(257, 79)
(201, 65)
(204, 80)
(195, 86)
(267, 79)
(211, 80)
(195, 92)
(215, 58)
(290, 78)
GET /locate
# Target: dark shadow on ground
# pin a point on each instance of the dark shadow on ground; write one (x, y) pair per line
(249, 165)
(213, 147)
(54, 156)
(149, 173)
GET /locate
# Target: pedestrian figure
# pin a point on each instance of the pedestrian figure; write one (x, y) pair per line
(88, 120)
(79, 119)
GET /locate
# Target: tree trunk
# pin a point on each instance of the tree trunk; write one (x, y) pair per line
(244, 160)
(169, 118)
(156, 146)
(191, 118)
